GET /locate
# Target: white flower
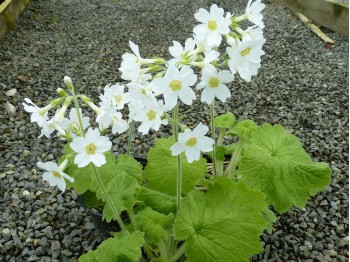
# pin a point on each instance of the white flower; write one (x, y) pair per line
(114, 95)
(54, 175)
(72, 124)
(176, 83)
(119, 125)
(193, 143)
(131, 64)
(140, 94)
(150, 116)
(39, 115)
(245, 58)
(182, 54)
(253, 12)
(90, 148)
(213, 84)
(252, 33)
(51, 126)
(208, 59)
(214, 24)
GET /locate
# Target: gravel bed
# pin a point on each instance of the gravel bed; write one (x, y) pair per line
(302, 85)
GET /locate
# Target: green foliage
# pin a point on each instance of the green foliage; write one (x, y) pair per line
(155, 225)
(121, 192)
(227, 120)
(275, 163)
(161, 170)
(269, 217)
(124, 246)
(129, 165)
(160, 202)
(244, 129)
(223, 224)
(91, 200)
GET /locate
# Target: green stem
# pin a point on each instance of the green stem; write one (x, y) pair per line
(220, 164)
(131, 130)
(212, 113)
(179, 162)
(76, 104)
(163, 250)
(232, 167)
(108, 199)
(178, 254)
(148, 251)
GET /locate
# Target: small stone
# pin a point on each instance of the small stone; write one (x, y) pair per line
(6, 231)
(333, 253)
(26, 193)
(67, 253)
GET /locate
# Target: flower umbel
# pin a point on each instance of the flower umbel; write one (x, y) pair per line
(193, 143)
(91, 148)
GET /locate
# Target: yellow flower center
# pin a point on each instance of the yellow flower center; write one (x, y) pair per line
(143, 91)
(118, 98)
(56, 174)
(245, 52)
(214, 82)
(175, 85)
(151, 115)
(212, 25)
(191, 142)
(91, 149)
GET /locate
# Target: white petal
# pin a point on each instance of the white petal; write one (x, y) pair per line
(145, 127)
(225, 76)
(134, 48)
(214, 38)
(223, 93)
(81, 160)
(187, 95)
(192, 153)
(47, 166)
(78, 144)
(205, 144)
(177, 148)
(202, 15)
(176, 49)
(208, 95)
(216, 12)
(200, 130)
(200, 30)
(98, 159)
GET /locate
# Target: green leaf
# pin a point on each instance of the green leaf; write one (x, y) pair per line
(161, 170)
(121, 192)
(227, 120)
(223, 224)
(230, 148)
(91, 200)
(155, 225)
(244, 128)
(276, 164)
(129, 165)
(82, 177)
(269, 217)
(220, 153)
(123, 247)
(158, 201)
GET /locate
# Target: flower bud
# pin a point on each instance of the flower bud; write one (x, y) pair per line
(61, 92)
(68, 81)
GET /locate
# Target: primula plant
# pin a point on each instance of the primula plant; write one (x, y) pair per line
(199, 198)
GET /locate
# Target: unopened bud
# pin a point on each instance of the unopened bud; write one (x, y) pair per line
(61, 92)
(68, 81)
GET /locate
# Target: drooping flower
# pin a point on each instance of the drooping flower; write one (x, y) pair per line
(213, 25)
(50, 126)
(213, 85)
(252, 33)
(38, 114)
(193, 143)
(91, 148)
(245, 58)
(176, 84)
(253, 12)
(131, 64)
(54, 174)
(150, 116)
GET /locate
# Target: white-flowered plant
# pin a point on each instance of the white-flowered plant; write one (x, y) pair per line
(198, 198)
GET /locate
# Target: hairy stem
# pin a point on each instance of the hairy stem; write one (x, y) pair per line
(232, 167)
(220, 163)
(212, 114)
(179, 162)
(178, 254)
(131, 131)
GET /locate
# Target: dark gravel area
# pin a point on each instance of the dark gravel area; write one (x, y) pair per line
(302, 85)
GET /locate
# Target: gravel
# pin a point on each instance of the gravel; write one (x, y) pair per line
(302, 85)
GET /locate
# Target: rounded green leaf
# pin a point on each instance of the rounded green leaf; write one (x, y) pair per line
(227, 120)
(223, 224)
(276, 164)
(244, 129)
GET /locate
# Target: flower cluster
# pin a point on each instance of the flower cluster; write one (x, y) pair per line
(156, 87)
